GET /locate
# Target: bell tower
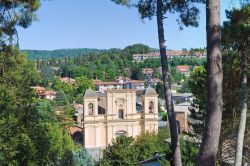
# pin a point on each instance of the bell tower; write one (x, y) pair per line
(93, 127)
(150, 110)
(90, 105)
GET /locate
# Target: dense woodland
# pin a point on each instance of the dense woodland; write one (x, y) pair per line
(106, 65)
(32, 133)
(61, 53)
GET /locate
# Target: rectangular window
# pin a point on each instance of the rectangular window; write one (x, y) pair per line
(120, 114)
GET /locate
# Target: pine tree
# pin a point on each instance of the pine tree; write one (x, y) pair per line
(211, 132)
(188, 17)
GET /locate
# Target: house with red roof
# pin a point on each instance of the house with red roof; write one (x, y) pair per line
(120, 83)
(43, 93)
(147, 71)
(67, 80)
(184, 69)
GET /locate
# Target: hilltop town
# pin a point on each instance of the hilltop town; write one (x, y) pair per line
(124, 82)
(124, 99)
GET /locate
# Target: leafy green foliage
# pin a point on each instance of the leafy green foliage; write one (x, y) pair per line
(47, 75)
(67, 92)
(164, 116)
(197, 84)
(176, 77)
(105, 65)
(121, 152)
(29, 131)
(189, 151)
(190, 61)
(83, 84)
(137, 49)
(148, 144)
(66, 87)
(61, 98)
(44, 110)
(78, 158)
(16, 13)
(57, 54)
(234, 31)
(188, 12)
(128, 151)
(160, 89)
(235, 40)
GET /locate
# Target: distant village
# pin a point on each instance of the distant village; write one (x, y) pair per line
(171, 54)
(72, 94)
(125, 107)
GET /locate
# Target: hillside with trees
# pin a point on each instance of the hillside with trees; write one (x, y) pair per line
(108, 64)
(61, 53)
(36, 131)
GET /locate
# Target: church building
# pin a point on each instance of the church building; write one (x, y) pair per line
(118, 112)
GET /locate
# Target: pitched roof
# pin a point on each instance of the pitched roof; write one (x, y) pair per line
(99, 82)
(38, 88)
(136, 81)
(67, 80)
(182, 107)
(50, 92)
(90, 93)
(182, 67)
(73, 129)
(149, 92)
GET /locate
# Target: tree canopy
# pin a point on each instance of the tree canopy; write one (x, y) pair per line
(16, 13)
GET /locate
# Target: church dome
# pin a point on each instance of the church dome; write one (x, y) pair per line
(90, 93)
(149, 92)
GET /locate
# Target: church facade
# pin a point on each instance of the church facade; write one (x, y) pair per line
(118, 112)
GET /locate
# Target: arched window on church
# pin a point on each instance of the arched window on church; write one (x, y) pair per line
(91, 108)
(121, 133)
(120, 114)
(151, 107)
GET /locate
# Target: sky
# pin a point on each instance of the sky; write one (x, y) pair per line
(102, 24)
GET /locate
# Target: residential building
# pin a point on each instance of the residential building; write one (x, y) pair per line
(120, 83)
(142, 57)
(154, 81)
(156, 55)
(50, 94)
(78, 113)
(76, 133)
(182, 97)
(102, 86)
(122, 80)
(181, 114)
(67, 80)
(147, 71)
(43, 93)
(39, 90)
(135, 84)
(184, 69)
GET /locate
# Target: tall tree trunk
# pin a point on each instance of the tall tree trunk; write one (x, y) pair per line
(175, 145)
(211, 133)
(243, 116)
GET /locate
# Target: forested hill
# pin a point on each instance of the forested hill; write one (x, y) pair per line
(61, 53)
